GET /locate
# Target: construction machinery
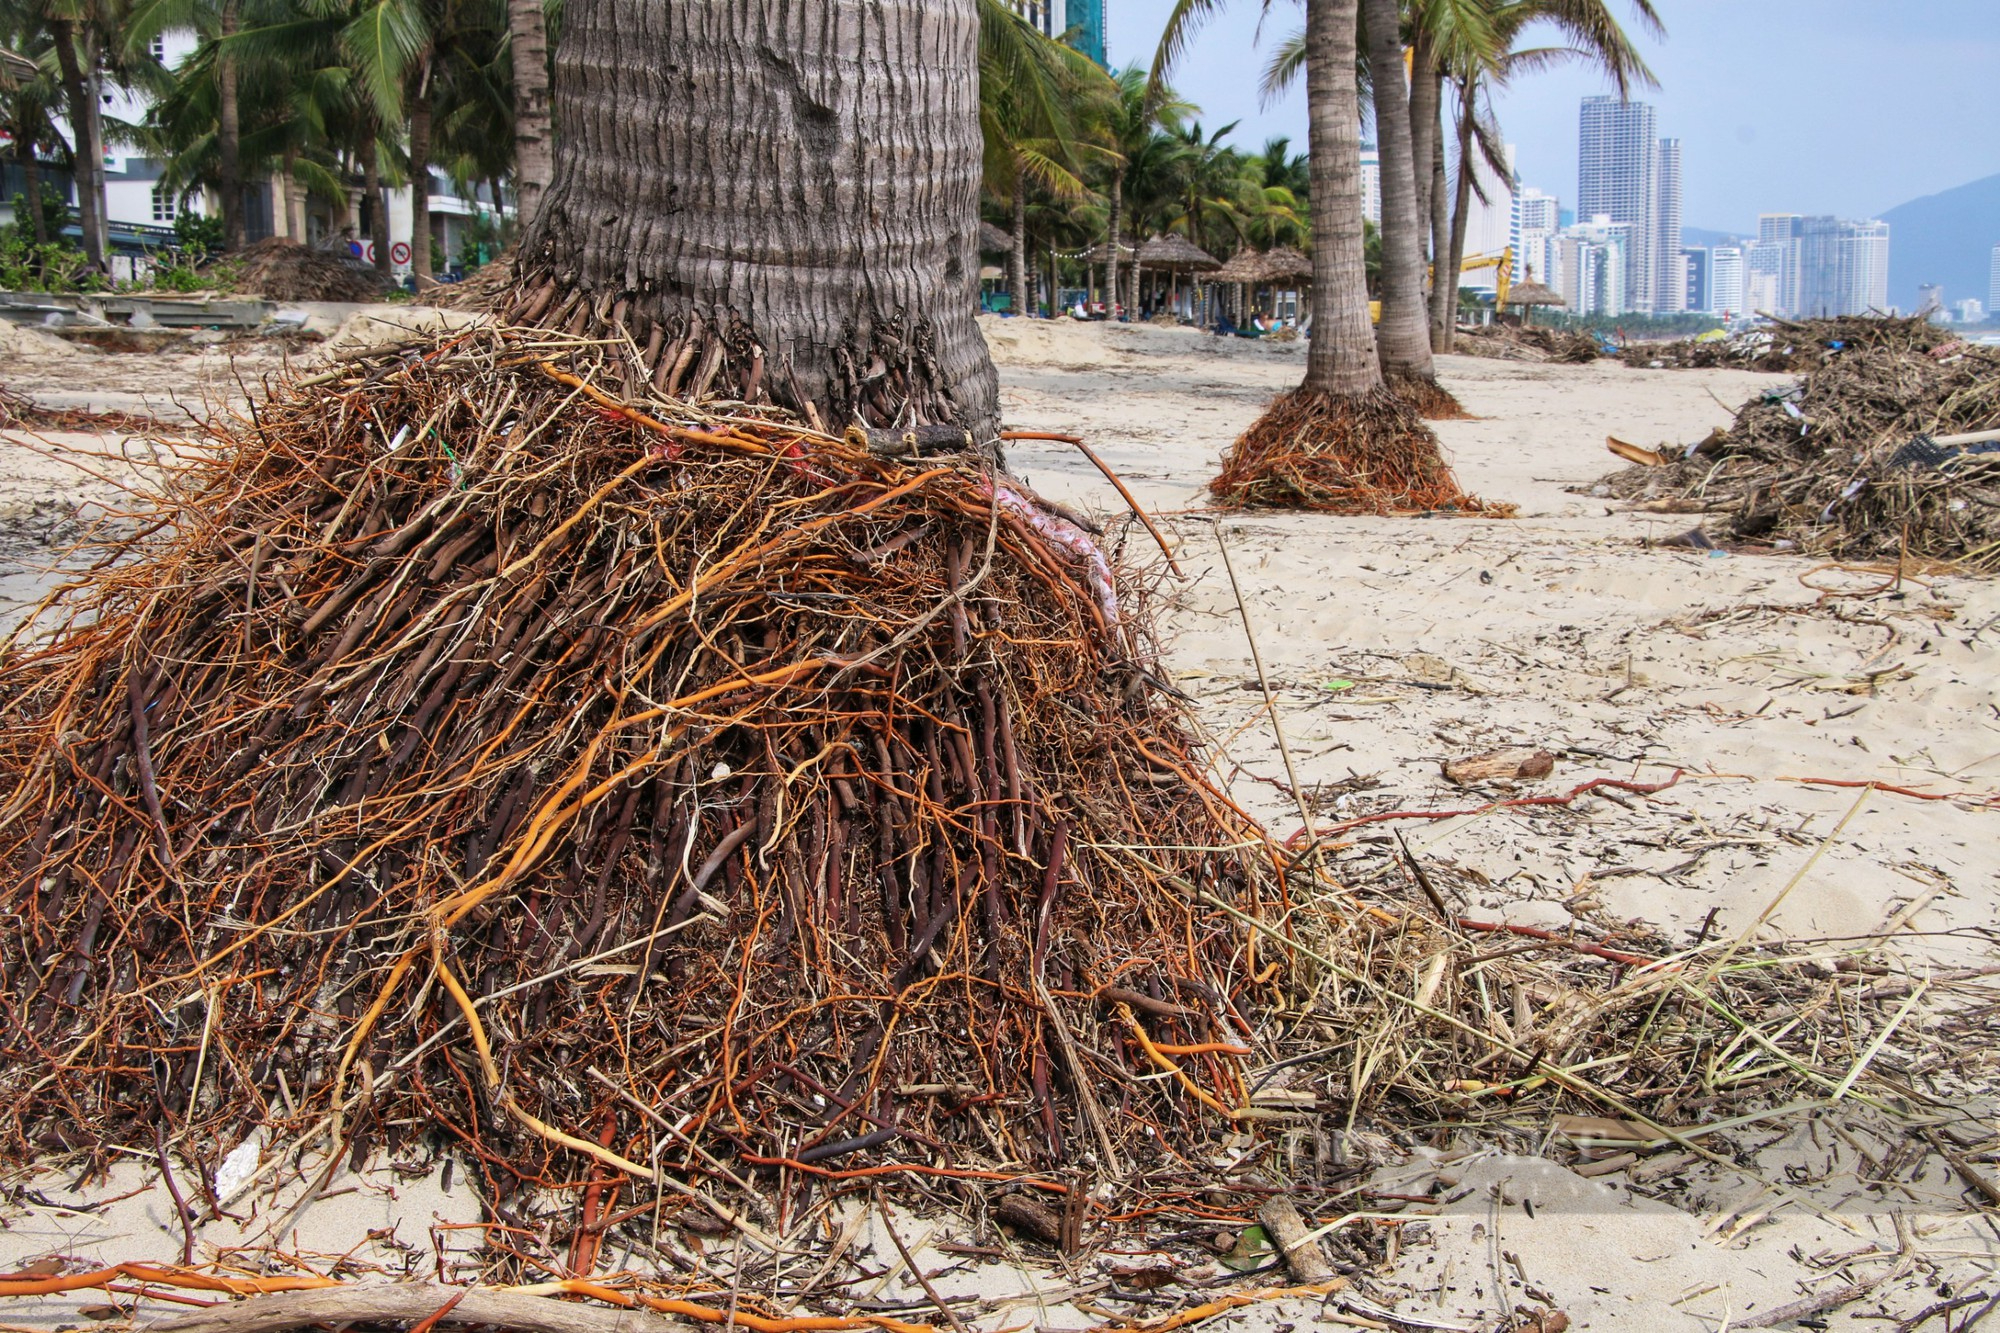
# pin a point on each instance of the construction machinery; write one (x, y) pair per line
(1503, 279)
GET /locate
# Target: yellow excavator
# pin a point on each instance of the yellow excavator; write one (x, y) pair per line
(1503, 279)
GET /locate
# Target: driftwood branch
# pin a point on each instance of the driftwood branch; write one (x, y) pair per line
(1295, 1244)
(409, 1303)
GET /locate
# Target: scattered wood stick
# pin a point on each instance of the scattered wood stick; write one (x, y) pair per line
(1296, 1244)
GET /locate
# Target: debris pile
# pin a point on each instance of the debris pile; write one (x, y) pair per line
(1860, 459)
(1785, 346)
(20, 412)
(281, 270)
(1343, 455)
(479, 290)
(1514, 342)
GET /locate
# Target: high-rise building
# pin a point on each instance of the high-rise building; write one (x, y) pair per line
(1041, 15)
(1725, 281)
(1970, 311)
(1595, 259)
(1053, 18)
(1930, 299)
(1371, 183)
(1618, 165)
(1537, 223)
(1086, 19)
(1993, 283)
(1772, 265)
(1843, 267)
(1697, 267)
(1669, 277)
(1489, 228)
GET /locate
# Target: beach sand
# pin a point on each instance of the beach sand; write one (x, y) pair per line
(1766, 692)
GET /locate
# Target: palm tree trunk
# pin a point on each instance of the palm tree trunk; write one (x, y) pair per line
(86, 138)
(378, 204)
(229, 133)
(292, 200)
(534, 149)
(420, 177)
(31, 177)
(820, 165)
(1444, 270)
(1461, 214)
(1341, 357)
(1402, 338)
(1424, 95)
(1111, 260)
(1017, 256)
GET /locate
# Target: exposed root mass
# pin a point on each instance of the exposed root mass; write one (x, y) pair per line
(458, 732)
(1431, 400)
(1364, 454)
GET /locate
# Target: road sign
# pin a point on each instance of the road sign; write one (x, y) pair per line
(399, 253)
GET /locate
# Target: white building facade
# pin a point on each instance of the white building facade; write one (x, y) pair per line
(1537, 227)
(1725, 281)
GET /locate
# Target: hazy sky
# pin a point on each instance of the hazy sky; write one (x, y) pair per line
(1800, 106)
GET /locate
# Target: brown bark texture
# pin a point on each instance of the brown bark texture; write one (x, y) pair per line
(1426, 89)
(86, 140)
(774, 198)
(1460, 217)
(1017, 255)
(229, 134)
(31, 177)
(1444, 270)
(420, 179)
(534, 136)
(1403, 336)
(1341, 357)
(378, 206)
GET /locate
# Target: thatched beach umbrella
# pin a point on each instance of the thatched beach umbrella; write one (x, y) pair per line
(993, 241)
(1176, 255)
(1283, 264)
(1240, 271)
(1243, 266)
(1529, 294)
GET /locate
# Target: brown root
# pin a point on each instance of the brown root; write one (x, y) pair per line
(1343, 454)
(1432, 400)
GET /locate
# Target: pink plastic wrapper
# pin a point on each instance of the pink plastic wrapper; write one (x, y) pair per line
(1071, 538)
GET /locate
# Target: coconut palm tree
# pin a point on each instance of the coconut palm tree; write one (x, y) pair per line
(1593, 36)
(294, 96)
(1039, 102)
(85, 39)
(216, 23)
(1146, 157)
(29, 91)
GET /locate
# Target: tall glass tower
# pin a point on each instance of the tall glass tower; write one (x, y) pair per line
(1086, 19)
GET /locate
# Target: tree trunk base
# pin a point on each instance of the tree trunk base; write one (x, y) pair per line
(889, 374)
(1432, 400)
(1367, 453)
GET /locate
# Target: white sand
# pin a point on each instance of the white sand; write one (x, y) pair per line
(1557, 629)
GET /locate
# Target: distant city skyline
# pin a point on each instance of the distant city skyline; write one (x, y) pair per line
(1759, 94)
